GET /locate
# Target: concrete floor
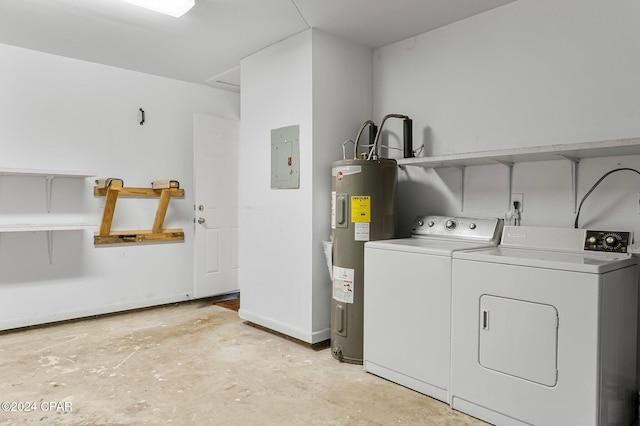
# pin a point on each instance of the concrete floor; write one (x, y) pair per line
(192, 364)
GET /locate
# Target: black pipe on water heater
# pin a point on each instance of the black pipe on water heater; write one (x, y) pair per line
(373, 131)
(408, 137)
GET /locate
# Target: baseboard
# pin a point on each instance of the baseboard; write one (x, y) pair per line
(90, 312)
(311, 337)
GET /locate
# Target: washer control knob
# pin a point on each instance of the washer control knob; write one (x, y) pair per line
(592, 240)
(450, 225)
(420, 223)
(430, 223)
(472, 225)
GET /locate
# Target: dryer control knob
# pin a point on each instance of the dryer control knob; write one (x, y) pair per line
(430, 223)
(450, 225)
(472, 226)
(592, 240)
(420, 223)
(612, 240)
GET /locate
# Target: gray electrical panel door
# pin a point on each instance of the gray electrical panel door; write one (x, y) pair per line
(285, 158)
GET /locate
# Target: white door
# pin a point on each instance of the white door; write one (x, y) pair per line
(216, 208)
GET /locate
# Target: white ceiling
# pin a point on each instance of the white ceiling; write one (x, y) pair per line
(206, 44)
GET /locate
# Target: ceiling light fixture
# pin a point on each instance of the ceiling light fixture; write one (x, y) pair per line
(175, 8)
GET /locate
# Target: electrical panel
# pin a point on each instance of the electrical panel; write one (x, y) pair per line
(285, 158)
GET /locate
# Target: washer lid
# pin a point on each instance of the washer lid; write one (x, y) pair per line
(433, 246)
(589, 262)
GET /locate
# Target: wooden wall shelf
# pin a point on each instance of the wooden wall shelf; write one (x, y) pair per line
(157, 233)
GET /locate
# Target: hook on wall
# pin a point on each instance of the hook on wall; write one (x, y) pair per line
(141, 116)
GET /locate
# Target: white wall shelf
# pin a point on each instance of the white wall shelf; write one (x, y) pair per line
(508, 157)
(597, 149)
(48, 227)
(6, 171)
(32, 227)
(48, 176)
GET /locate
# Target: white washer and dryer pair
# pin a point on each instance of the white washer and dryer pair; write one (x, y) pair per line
(407, 300)
(544, 329)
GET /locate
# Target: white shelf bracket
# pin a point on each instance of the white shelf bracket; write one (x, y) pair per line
(48, 180)
(509, 166)
(50, 246)
(574, 179)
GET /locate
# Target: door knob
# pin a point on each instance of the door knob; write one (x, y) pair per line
(201, 220)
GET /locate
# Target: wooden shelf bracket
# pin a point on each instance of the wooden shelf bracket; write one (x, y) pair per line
(157, 233)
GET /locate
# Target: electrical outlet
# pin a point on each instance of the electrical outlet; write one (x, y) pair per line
(519, 197)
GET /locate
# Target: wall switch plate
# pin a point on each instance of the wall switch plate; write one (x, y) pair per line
(519, 197)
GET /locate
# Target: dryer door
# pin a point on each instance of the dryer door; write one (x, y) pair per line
(519, 338)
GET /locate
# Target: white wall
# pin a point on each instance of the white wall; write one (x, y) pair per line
(60, 113)
(533, 72)
(276, 224)
(300, 81)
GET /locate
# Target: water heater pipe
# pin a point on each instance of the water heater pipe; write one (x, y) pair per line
(364, 125)
(344, 149)
(373, 153)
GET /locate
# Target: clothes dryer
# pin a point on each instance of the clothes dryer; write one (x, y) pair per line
(543, 329)
(407, 297)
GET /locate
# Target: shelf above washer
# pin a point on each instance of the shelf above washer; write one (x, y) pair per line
(508, 157)
(608, 148)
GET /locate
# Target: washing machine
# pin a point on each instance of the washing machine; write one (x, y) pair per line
(407, 299)
(543, 329)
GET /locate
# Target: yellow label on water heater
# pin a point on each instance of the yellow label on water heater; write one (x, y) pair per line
(360, 208)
